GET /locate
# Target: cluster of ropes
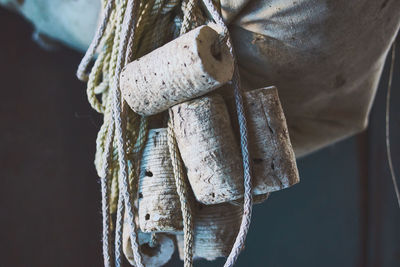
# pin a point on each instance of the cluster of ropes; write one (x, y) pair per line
(128, 30)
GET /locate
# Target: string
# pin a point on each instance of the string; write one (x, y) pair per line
(388, 152)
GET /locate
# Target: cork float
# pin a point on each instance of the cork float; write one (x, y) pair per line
(208, 148)
(185, 68)
(159, 206)
(215, 228)
(274, 162)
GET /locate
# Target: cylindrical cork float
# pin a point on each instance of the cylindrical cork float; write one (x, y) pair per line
(159, 206)
(155, 253)
(215, 229)
(187, 67)
(208, 148)
(274, 162)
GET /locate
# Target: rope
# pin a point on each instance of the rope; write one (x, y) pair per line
(389, 154)
(81, 72)
(248, 198)
(105, 203)
(118, 231)
(182, 191)
(127, 25)
(188, 15)
(181, 187)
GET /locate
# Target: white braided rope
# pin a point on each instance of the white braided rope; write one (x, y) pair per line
(81, 72)
(128, 25)
(248, 198)
(118, 230)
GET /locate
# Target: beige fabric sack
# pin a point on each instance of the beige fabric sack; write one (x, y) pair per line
(324, 56)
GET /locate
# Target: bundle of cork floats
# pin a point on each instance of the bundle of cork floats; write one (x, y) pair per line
(187, 79)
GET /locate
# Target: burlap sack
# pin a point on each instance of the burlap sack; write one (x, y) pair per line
(324, 56)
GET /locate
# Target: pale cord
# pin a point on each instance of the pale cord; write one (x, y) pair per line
(142, 136)
(187, 8)
(181, 187)
(182, 191)
(81, 72)
(248, 198)
(118, 231)
(107, 252)
(389, 154)
(128, 25)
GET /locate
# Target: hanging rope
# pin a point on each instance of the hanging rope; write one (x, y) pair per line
(81, 72)
(107, 251)
(119, 129)
(182, 191)
(181, 187)
(388, 152)
(248, 198)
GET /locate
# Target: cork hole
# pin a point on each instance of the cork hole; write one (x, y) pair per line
(140, 195)
(148, 250)
(273, 166)
(212, 195)
(216, 51)
(148, 173)
(272, 131)
(147, 217)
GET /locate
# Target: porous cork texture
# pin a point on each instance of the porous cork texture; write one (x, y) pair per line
(208, 148)
(159, 206)
(185, 68)
(155, 256)
(273, 159)
(215, 230)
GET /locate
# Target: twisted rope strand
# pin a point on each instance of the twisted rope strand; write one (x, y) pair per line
(128, 24)
(107, 251)
(118, 230)
(182, 191)
(188, 15)
(248, 198)
(181, 187)
(81, 72)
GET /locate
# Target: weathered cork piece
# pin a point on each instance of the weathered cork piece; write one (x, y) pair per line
(215, 229)
(208, 148)
(185, 68)
(159, 206)
(274, 162)
(156, 254)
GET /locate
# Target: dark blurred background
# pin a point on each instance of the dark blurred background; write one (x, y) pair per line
(343, 213)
